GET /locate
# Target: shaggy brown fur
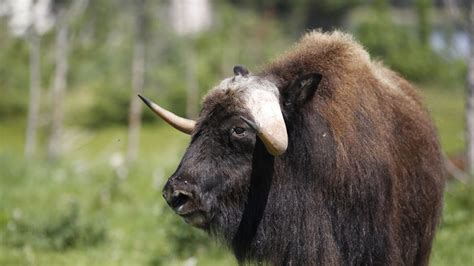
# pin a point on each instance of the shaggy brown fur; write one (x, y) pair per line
(361, 182)
(377, 121)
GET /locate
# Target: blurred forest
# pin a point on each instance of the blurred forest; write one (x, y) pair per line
(82, 165)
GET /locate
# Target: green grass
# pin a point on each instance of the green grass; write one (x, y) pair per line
(454, 244)
(447, 109)
(139, 228)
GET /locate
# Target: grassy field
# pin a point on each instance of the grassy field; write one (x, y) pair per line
(87, 210)
(446, 108)
(138, 229)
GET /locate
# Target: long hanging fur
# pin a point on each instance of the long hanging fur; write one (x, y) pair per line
(362, 180)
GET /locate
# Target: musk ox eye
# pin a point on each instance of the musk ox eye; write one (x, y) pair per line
(238, 131)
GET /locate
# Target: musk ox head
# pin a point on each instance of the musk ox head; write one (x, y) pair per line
(210, 187)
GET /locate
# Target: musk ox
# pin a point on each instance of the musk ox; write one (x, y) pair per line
(324, 157)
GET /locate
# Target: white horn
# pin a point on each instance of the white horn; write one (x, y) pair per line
(182, 124)
(269, 123)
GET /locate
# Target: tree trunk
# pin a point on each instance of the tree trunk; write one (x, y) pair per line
(470, 97)
(192, 94)
(138, 79)
(35, 93)
(423, 8)
(59, 85)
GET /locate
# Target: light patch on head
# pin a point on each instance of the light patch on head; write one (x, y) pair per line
(259, 95)
(247, 83)
(261, 98)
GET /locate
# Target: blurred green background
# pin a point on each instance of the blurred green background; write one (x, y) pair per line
(81, 197)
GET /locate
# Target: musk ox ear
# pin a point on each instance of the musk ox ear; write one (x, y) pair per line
(241, 70)
(302, 89)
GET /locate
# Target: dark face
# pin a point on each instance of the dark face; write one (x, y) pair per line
(209, 187)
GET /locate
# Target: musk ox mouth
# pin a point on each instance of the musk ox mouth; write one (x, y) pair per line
(197, 219)
(187, 205)
(191, 214)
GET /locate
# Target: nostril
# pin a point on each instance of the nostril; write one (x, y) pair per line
(179, 198)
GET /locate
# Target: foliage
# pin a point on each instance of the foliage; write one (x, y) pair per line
(117, 215)
(53, 231)
(404, 49)
(183, 240)
(458, 220)
(12, 82)
(99, 80)
(304, 14)
(42, 228)
(423, 9)
(446, 108)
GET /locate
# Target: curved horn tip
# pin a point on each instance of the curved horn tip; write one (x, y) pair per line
(182, 124)
(274, 147)
(144, 99)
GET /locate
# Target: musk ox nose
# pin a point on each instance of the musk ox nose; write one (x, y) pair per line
(179, 197)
